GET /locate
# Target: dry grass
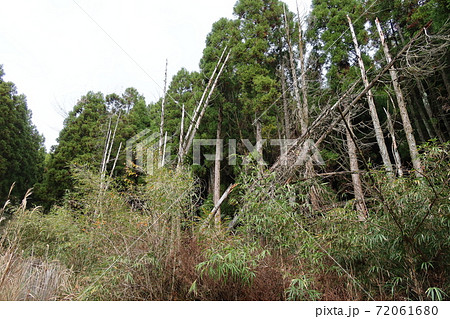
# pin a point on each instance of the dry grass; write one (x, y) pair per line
(27, 278)
(31, 278)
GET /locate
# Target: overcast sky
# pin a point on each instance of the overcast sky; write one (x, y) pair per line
(55, 53)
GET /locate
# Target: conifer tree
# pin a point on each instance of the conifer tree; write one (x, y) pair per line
(22, 152)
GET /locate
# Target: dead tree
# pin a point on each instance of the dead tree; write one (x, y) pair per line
(318, 124)
(373, 110)
(161, 125)
(203, 104)
(180, 144)
(354, 167)
(286, 113)
(407, 127)
(109, 141)
(218, 158)
(397, 159)
(305, 106)
(212, 214)
(300, 111)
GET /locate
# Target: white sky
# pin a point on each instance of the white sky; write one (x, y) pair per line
(54, 53)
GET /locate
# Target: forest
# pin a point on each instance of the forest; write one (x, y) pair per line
(307, 159)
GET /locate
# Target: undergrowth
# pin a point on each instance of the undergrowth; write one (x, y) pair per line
(147, 242)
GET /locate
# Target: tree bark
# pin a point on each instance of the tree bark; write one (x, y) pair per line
(190, 138)
(303, 126)
(287, 122)
(218, 158)
(303, 75)
(373, 110)
(414, 153)
(259, 142)
(180, 145)
(217, 206)
(356, 178)
(199, 105)
(398, 161)
(161, 126)
(310, 172)
(163, 156)
(328, 110)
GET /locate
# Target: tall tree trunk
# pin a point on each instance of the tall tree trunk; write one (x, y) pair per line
(195, 125)
(259, 142)
(300, 112)
(199, 105)
(356, 178)
(161, 125)
(214, 211)
(217, 160)
(373, 110)
(163, 157)
(286, 113)
(414, 153)
(426, 104)
(180, 145)
(310, 172)
(303, 77)
(398, 161)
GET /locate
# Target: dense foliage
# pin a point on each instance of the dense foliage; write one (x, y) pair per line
(22, 151)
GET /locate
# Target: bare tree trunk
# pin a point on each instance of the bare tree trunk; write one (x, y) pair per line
(373, 110)
(199, 105)
(190, 138)
(259, 142)
(105, 160)
(105, 151)
(310, 172)
(398, 161)
(297, 144)
(402, 107)
(303, 75)
(217, 206)
(287, 122)
(161, 126)
(163, 156)
(180, 145)
(303, 125)
(356, 178)
(211, 181)
(426, 104)
(216, 194)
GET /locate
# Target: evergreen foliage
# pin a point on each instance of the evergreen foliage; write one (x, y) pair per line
(22, 152)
